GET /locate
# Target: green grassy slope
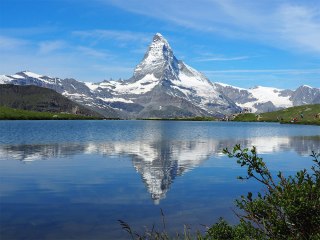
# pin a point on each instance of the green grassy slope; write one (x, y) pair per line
(18, 114)
(34, 98)
(306, 114)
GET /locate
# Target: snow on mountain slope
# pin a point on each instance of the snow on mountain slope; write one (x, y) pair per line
(4, 79)
(267, 94)
(114, 99)
(192, 83)
(91, 86)
(263, 99)
(143, 85)
(31, 74)
(264, 94)
(29, 78)
(158, 60)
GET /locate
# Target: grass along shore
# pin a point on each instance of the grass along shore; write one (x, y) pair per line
(7, 113)
(306, 114)
(196, 118)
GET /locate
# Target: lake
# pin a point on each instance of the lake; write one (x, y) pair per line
(76, 179)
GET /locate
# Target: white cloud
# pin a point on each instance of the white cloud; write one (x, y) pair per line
(280, 78)
(278, 71)
(47, 58)
(123, 36)
(46, 47)
(9, 43)
(65, 65)
(300, 26)
(282, 24)
(208, 59)
(92, 52)
(126, 71)
(50, 47)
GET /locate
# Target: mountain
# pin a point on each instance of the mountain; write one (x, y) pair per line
(40, 99)
(305, 95)
(164, 87)
(266, 99)
(161, 87)
(74, 90)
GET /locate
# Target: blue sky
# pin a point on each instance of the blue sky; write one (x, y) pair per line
(242, 43)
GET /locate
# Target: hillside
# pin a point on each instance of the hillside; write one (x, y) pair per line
(34, 98)
(306, 114)
(18, 114)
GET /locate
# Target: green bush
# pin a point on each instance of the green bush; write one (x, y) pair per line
(224, 231)
(289, 207)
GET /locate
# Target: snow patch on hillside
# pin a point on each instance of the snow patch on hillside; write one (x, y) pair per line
(116, 100)
(265, 94)
(16, 76)
(194, 84)
(91, 86)
(33, 75)
(4, 79)
(146, 84)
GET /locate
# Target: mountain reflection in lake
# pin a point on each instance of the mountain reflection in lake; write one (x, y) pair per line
(160, 162)
(86, 182)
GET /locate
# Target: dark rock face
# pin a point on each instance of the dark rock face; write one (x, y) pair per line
(305, 95)
(237, 95)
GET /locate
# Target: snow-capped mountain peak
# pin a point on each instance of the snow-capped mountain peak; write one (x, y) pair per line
(159, 48)
(158, 60)
(19, 75)
(30, 74)
(161, 72)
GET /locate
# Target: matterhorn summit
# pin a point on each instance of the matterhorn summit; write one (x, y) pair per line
(167, 87)
(158, 61)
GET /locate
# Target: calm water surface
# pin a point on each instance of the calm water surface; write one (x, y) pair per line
(75, 179)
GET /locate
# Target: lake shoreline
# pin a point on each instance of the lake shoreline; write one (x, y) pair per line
(302, 115)
(151, 119)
